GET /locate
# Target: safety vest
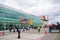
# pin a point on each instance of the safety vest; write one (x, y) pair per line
(38, 27)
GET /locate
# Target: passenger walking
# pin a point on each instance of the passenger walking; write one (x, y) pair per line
(10, 28)
(18, 33)
(14, 29)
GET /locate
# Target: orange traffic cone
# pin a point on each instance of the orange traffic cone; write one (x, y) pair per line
(46, 33)
(2, 33)
(28, 30)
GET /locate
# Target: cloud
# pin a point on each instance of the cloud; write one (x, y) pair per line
(55, 1)
(11, 3)
(27, 3)
(41, 9)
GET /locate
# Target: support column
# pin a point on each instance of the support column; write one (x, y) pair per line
(4, 26)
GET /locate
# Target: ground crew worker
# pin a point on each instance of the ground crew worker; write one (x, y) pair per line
(38, 28)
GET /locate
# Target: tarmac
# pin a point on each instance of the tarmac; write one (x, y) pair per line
(32, 35)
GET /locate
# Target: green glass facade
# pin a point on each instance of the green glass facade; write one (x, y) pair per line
(9, 16)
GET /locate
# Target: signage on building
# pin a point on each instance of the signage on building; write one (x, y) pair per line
(24, 20)
(30, 22)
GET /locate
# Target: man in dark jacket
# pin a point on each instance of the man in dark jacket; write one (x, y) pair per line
(58, 26)
(18, 33)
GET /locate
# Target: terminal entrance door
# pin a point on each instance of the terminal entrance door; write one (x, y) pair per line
(1, 26)
(4, 26)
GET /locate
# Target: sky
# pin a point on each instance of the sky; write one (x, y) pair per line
(49, 8)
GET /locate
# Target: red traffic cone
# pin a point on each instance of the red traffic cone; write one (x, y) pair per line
(28, 30)
(2, 33)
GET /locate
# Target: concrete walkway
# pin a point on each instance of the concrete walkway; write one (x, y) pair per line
(32, 35)
(24, 36)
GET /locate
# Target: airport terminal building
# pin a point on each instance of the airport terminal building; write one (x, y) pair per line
(11, 16)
